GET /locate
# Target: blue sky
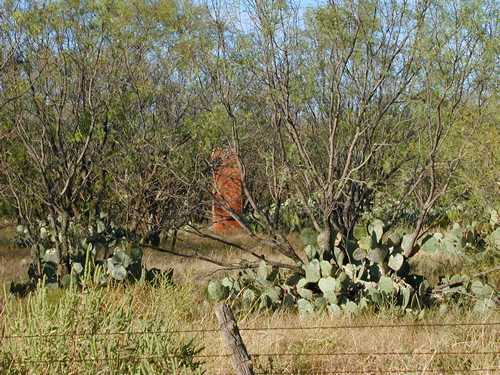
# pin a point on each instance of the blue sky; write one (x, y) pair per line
(308, 3)
(303, 4)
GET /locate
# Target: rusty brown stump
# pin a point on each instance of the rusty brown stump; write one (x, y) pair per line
(227, 192)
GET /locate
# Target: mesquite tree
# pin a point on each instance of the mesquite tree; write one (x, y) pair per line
(112, 107)
(351, 97)
(97, 123)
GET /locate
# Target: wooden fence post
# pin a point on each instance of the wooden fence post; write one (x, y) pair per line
(242, 362)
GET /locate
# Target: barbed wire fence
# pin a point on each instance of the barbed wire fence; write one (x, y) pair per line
(234, 350)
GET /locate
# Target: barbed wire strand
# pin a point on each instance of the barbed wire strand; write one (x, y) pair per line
(380, 371)
(363, 326)
(121, 358)
(285, 328)
(377, 354)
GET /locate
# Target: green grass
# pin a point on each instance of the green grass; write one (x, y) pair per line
(68, 332)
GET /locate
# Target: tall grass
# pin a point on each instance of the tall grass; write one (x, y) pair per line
(86, 317)
(68, 332)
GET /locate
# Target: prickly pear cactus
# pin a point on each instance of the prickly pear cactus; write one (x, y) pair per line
(348, 278)
(83, 248)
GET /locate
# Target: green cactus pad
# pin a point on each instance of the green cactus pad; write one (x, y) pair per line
(305, 307)
(328, 285)
(311, 252)
(359, 254)
(216, 291)
(313, 271)
(302, 290)
(386, 285)
(326, 268)
(481, 290)
(396, 261)
(378, 255)
(376, 227)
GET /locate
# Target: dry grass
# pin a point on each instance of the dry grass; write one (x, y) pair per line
(13, 260)
(186, 307)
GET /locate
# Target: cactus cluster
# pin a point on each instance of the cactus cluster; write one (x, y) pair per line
(356, 274)
(98, 245)
(462, 239)
(450, 242)
(462, 290)
(346, 276)
(262, 287)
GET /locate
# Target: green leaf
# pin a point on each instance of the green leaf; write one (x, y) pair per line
(360, 231)
(308, 236)
(51, 256)
(331, 297)
(320, 304)
(494, 238)
(328, 285)
(273, 293)
(120, 258)
(228, 282)
(366, 243)
(77, 268)
(265, 302)
(263, 271)
(406, 294)
(324, 240)
(249, 297)
(374, 295)
(481, 290)
(100, 226)
(350, 308)
(494, 219)
(311, 252)
(362, 304)
(483, 306)
(431, 245)
(393, 239)
(117, 271)
(339, 255)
